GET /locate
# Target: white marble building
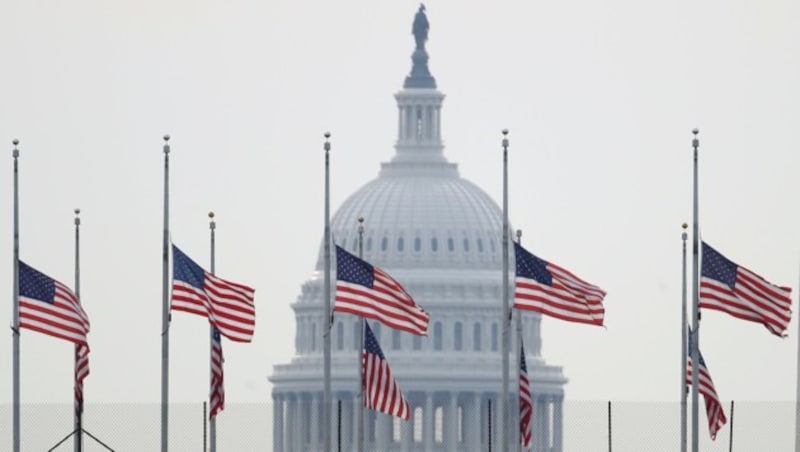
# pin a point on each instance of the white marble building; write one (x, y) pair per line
(440, 236)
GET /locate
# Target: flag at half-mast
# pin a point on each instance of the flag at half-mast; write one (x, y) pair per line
(216, 394)
(546, 288)
(525, 401)
(50, 307)
(716, 416)
(228, 306)
(381, 392)
(728, 287)
(369, 292)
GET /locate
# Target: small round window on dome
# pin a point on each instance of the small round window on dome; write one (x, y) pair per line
(417, 244)
(434, 245)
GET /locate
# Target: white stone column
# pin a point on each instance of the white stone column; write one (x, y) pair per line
(277, 422)
(547, 421)
(450, 436)
(495, 421)
(347, 421)
(383, 430)
(315, 420)
(428, 423)
(354, 419)
(407, 427)
(558, 429)
(301, 421)
(472, 422)
(290, 440)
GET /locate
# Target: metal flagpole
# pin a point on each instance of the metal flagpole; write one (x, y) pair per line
(15, 304)
(212, 423)
(797, 391)
(165, 308)
(506, 321)
(78, 403)
(518, 319)
(730, 437)
(695, 300)
(326, 409)
(360, 359)
(684, 346)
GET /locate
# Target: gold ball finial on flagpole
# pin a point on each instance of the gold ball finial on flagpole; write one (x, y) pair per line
(361, 220)
(684, 226)
(211, 214)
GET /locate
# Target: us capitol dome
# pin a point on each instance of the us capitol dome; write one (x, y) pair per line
(440, 236)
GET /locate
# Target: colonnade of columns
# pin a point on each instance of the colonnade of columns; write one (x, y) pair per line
(441, 421)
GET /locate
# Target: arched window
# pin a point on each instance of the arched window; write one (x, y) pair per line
(434, 245)
(476, 337)
(417, 342)
(437, 336)
(417, 244)
(395, 339)
(451, 244)
(400, 244)
(494, 337)
(356, 334)
(340, 336)
(384, 244)
(457, 336)
(466, 245)
(369, 244)
(313, 337)
(480, 245)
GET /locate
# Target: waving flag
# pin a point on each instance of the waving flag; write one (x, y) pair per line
(525, 402)
(381, 392)
(543, 287)
(49, 307)
(369, 292)
(716, 416)
(216, 393)
(229, 306)
(728, 287)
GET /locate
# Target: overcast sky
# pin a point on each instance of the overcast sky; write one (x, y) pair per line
(600, 99)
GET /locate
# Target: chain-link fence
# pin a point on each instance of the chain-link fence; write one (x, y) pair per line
(587, 427)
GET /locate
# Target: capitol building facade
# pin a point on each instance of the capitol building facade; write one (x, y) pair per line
(440, 236)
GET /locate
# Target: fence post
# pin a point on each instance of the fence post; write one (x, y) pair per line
(609, 426)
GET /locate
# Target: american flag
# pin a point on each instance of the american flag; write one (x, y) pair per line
(216, 393)
(81, 372)
(229, 306)
(369, 292)
(525, 402)
(705, 386)
(381, 392)
(728, 287)
(543, 287)
(49, 307)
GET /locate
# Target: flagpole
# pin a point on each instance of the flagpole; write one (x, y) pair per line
(684, 352)
(78, 403)
(212, 423)
(506, 323)
(15, 304)
(520, 352)
(359, 363)
(797, 391)
(165, 308)
(695, 300)
(326, 409)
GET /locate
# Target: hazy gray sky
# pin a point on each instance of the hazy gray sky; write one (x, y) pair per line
(600, 98)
